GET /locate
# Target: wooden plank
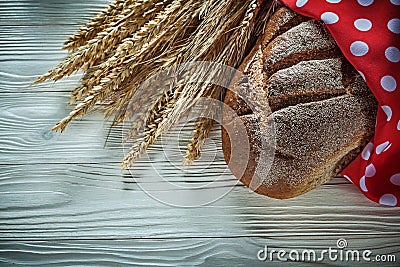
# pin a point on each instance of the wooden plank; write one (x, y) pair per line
(96, 200)
(172, 252)
(25, 123)
(48, 12)
(24, 27)
(22, 47)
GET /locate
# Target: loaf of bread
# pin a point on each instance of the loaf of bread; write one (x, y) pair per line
(322, 111)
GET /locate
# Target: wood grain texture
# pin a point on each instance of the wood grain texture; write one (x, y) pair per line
(64, 200)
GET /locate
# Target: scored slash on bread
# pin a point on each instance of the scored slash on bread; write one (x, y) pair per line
(323, 112)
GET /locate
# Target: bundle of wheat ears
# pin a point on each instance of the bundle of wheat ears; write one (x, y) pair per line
(131, 40)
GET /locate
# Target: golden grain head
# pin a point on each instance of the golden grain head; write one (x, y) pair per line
(133, 40)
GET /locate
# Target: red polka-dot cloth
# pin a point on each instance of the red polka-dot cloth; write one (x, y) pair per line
(368, 33)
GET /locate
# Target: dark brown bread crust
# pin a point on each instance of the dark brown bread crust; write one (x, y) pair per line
(323, 112)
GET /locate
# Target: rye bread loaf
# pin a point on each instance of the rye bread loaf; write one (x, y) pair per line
(322, 110)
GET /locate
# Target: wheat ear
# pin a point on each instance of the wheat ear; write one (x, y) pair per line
(134, 40)
(95, 49)
(97, 24)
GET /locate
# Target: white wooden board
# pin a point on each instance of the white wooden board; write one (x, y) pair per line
(65, 201)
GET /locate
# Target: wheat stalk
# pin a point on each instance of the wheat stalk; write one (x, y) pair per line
(134, 40)
(97, 24)
(201, 132)
(96, 49)
(97, 89)
(159, 112)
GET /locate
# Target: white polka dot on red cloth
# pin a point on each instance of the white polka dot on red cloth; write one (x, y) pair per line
(301, 3)
(329, 18)
(363, 186)
(365, 2)
(359, 48)
(347, 177)
(388, 111)
(367, 151)
(363, 24)
(370, 171)
(388, 83)
(392, 54)
(395, 2)
(333, 1)
(398, 126)
(383, 147)
(362, 75)
(395, 179)
(394, 25)
(388, 200)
